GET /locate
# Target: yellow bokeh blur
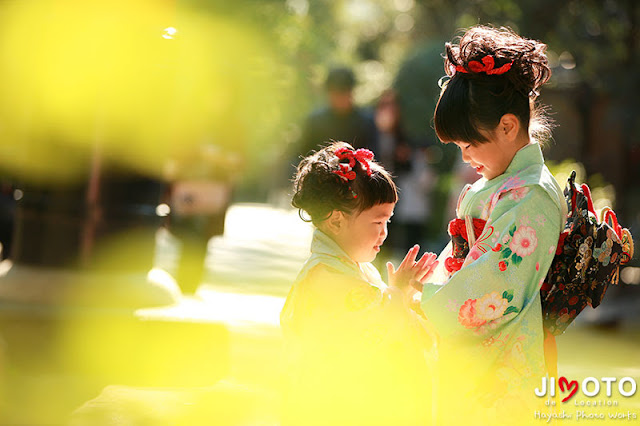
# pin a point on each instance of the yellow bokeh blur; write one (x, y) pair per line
(106, 78)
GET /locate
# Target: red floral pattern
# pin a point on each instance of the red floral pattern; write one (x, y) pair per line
(487, 66)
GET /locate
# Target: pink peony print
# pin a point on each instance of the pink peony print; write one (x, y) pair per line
(524, 241)
(511, 183)
(467, 315)
(490, 306)
(474, 254)
(517, 194)
(541, 220)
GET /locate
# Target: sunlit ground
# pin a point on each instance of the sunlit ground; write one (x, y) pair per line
(249, 271)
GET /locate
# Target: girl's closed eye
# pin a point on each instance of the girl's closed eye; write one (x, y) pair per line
(382, 221)
(462, 146)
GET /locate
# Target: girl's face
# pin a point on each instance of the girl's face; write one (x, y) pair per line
(491, 159)
(362, 234)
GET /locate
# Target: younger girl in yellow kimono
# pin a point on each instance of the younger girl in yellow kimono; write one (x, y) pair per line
(486, 309)
(356, 351)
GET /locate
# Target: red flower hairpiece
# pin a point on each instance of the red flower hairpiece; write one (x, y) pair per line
(362, 156)
(487, 67)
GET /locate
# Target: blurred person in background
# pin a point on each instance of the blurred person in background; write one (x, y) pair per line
(199, 196)
(412, 174)
(7, 213)
(340, 119)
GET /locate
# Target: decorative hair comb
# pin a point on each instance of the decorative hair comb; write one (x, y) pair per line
(346, 172)
(362, 156)
(487, 66)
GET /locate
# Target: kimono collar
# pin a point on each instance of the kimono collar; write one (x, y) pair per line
(528, 155)
(324, 244)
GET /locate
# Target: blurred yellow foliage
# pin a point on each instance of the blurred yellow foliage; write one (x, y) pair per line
(110, 78)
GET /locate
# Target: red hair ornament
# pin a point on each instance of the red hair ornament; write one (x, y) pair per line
(362, 156)
(487, 66)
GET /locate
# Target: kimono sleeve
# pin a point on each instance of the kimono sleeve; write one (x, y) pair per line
(327, 300)
(332, 309)
(501, 277)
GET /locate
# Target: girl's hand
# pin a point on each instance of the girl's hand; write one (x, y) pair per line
(412, 274)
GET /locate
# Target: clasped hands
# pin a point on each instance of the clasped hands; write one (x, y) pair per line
(411, 275)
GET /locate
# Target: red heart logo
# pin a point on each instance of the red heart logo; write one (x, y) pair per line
(572, 386)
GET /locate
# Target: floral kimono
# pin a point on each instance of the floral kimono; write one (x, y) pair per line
(353, 356)
(488, 314)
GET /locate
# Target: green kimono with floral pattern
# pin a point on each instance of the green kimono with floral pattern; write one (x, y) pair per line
(488, 314)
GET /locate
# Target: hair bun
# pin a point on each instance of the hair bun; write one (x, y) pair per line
(529, 69)
(319, 190)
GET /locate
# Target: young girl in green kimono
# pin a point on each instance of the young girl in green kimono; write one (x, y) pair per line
(486, 308)
(356, 350)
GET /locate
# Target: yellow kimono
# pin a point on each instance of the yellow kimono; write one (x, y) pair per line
(354, 355)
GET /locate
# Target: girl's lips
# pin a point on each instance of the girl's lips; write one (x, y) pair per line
(479, 169)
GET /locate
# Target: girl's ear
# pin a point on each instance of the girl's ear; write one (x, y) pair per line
(336, 222)
(509, 126)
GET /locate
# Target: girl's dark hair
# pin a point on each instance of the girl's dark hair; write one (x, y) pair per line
(474, 101)
(319, 191)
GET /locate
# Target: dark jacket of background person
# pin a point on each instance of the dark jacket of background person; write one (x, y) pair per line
(340, 119)
(412, 173)
(7, 213)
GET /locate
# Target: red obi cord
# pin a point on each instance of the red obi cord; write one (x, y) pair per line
(458, 228)
(453, 264)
